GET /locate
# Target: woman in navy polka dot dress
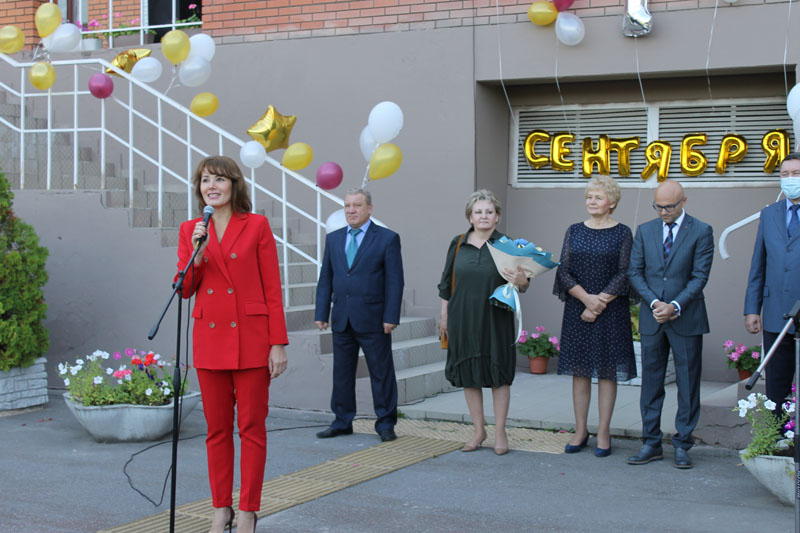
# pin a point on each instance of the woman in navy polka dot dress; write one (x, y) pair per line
(596, 339)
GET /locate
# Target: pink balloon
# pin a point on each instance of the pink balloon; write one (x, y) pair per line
(563, 5)
(101, 85)
(329, 175)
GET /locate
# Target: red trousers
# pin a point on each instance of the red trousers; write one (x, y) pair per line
(247, 391)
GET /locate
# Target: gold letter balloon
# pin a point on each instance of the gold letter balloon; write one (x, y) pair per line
(175, 46)
(47, 19)
(732, 150)
(42, 76)
(558, 150)
(385, 160)
(693, 162)
(11, 40)
(776, 146)
(298, 156)
(658, 154)
(536, 161)
(592, 156)
(542, 13)
(623, 148)
(204, 104)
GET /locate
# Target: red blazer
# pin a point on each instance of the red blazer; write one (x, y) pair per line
(238, 312)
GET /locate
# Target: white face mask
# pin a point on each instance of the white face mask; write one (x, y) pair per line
(791, 187)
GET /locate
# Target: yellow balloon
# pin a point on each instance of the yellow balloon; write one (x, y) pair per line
(175, 45)
(298, 156)
(42, 76)
(11, 40)
(47, 19)
(385, 160)
(204, 104)
(542, 13)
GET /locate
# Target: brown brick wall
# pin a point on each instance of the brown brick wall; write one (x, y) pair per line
(20, 13)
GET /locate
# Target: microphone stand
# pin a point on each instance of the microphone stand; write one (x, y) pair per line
(177, 399)
(793, 319)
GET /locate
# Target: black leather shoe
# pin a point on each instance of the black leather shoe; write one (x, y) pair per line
(571, 448)
(646, 454)
(387, 435)
(682, 459)
(334, 432)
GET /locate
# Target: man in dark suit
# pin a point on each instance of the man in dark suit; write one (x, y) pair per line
(670, 263)
(774, 282)
(362, 273)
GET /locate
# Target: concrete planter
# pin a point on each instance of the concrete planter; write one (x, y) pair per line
(90, 45)
(775, 473)
(669, 377)
(129, 423)
(24, 387)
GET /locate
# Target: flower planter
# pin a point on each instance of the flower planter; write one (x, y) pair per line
(90, 45)
(21, 388)
(538, 365)
(775, 473)
(744, 374)
(124, 41)
(129, 423)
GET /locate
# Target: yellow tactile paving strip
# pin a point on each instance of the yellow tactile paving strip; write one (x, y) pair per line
(305, 485)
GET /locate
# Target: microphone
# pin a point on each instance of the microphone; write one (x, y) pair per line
(207, 212)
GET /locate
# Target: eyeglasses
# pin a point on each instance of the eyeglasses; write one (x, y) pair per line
(668, 208)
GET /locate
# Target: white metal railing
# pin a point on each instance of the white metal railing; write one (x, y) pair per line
(197, 137)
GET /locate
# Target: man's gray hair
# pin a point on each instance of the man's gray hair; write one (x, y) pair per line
(359, 190)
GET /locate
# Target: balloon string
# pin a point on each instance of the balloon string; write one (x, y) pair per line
(708, 55)
(172, 81)
(638, 72)
(786, 50)
(558, 88)
(366, 175)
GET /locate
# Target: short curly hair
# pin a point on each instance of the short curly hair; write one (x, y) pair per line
(483, 194)
(609, 186)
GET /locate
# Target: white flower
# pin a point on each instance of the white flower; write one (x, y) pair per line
(790, 434)
(769, 404)
(166, 391)
(127, 377)
(122, 367)
(97, 380)
(119, 381)
(148, 392)
(66, 382)
(109, 371)
(751, 397)
(79, 362)
(100, 353)
(62, 368)
(74, 370)
(156, 357)
(789, 407)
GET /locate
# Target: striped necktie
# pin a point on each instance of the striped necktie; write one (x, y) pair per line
(794, 222)
(668, 241)
(352, 246)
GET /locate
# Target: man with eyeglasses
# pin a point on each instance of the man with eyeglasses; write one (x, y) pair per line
(773, 285)
(670, 264)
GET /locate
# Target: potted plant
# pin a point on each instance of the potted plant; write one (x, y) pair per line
(770, 455)
(191, 29)
(745, 360)
(23, 338)
(91, 41)
(539, 347)
(127, 34)
(123, 397)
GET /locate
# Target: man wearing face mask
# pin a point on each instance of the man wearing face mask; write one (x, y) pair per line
(774, 282)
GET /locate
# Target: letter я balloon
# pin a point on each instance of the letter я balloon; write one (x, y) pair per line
(512, 254)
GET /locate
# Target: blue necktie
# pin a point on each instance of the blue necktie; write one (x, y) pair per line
(794, 222)
(352, 246)
(668, 242)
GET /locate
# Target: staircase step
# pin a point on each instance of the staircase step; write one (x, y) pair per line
(421, 382)
(417, 352)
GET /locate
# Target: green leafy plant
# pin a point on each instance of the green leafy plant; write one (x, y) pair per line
(740, 357)
(23, 337)
(194, 17)
(128, 28)
(538, 343)
(138, 378)
(766, 425)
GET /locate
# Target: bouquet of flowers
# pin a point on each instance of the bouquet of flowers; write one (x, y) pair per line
(768, 439)
(538, 343)
(740, 357)
(138, 378)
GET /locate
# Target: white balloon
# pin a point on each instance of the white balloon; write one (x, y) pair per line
(253, 154)
(569, 29)
(385, 122)
(194, 71)
(337, 220)
(202, 45)
(367, 143)
(793, 101)
(47, 42)
(65, 38)
(147, 69)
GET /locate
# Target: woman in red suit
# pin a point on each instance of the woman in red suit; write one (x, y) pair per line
(239, 331)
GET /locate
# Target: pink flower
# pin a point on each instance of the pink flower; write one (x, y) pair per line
(522, 338)
(539, 328)
(192, 6)
(93, 23)
(536, 335)
(734, 356)
(728, 344)
(129, 352)
(741, 348)
(553, 340)
(117, 355)
(524, 333)
(756, 355)
(135, 20)
(118, 15)
(105, 16)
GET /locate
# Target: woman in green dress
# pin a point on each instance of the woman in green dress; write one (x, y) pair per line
(481, 345)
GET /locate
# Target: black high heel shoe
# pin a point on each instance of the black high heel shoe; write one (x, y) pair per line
(569, 448)
(255, 522)
(229, 525)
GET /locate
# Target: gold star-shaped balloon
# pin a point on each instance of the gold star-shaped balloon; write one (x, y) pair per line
(127, 59)
(273, 129)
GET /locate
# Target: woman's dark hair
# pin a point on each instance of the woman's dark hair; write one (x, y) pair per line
(219, 165)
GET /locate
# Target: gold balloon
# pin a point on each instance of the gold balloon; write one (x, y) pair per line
(776, 146)
(558, 150)
(599, 156)
(42, 76)
(385, 160)
(204, 104)
(175, 46)
(127, 59)
(693, 162)
(542, 13)
(273, 129)
(11, 39)
(658, 154)
(47, 19)
(732, 150)
(536, 161)
(298, 156)
(623, 148)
